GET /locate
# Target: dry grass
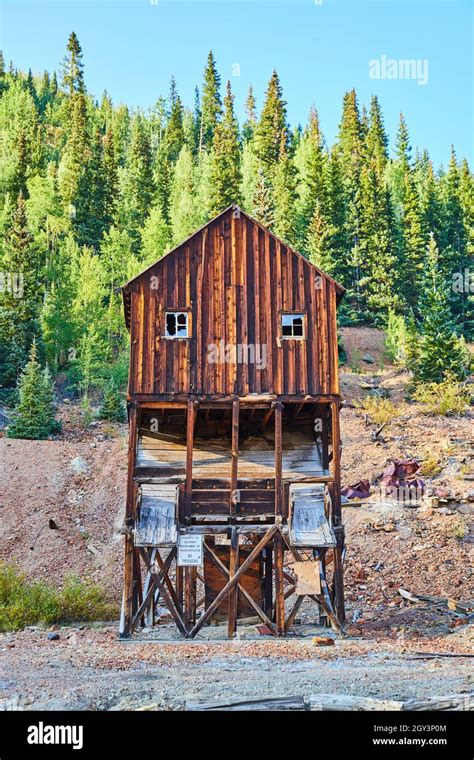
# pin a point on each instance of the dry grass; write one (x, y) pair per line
(379, 410)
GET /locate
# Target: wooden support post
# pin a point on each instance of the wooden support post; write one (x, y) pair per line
(190, 578)
(235, 456)
(325, 437)
(127, 603)
(336, 461)
(234, 594)
(268, 580)
(279, 584)
(278, 459)
(336, 471)
(179, 583)
(189, 460)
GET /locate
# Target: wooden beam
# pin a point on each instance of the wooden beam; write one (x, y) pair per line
(278, 459)
(234, 594)
(336, 461)
(127, 603)
(278, 553)
(337, 520)
(190, 578)
(235, 455)
(268, 580)
(232, 581)
(189, 459)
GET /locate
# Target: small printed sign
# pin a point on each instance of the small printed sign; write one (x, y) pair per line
(190, 552)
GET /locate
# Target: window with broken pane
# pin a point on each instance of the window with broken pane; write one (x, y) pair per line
(292, 325)
(176, 324)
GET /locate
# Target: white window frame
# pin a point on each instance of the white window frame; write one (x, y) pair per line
(289, 319)
(176, 313)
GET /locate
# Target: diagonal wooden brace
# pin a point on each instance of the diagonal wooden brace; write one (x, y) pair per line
(234, 580)
(165, 595)
(220, 566)
(152, 584)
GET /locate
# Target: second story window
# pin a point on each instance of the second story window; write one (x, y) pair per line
(292, 325)
(176, 324)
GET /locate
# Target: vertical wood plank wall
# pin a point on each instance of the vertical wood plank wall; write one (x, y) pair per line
(234, 278)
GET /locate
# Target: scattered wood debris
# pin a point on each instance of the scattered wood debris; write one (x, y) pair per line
(331, 702)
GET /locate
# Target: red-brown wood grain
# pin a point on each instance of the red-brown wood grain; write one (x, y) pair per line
(234, 278)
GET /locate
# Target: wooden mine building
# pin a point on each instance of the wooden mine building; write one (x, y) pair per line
(234, 447)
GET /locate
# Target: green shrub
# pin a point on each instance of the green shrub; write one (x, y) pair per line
(23, 602)
(446, 398)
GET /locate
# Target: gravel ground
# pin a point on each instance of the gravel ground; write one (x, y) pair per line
(88, 669)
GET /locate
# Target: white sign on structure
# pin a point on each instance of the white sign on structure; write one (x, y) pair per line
(190, 552)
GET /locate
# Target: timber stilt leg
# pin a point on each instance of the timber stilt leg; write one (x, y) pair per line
(279, 585)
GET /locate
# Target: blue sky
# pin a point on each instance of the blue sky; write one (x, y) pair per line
(319, 48)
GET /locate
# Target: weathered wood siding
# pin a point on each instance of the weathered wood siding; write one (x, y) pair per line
(235, 279)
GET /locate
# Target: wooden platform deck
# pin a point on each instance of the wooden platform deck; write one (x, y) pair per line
(212, 459)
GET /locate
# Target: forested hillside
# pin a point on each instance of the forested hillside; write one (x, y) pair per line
(91, 192)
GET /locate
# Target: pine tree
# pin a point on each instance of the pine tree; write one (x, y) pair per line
(211, 102)
(320, 241)
(427, 189)
(225, 176)
(2, 73)
(310, 161)
(110, 178)
(250, 166)
(248, 127)
(20, 296)
(410, 230)
(75, 157)
(453, 255)
(284, 187)
(413, 244)
(57, 323)
(90, 220)
(402, 164)
(378, 260)
(113, 407)
(376, 141)
(73, 76)
(138, 186)
(441, 350)
(163, 176)
(197, 122)
(335, 200)
(34, 415)
(271, 127)
(174, 133)
(350, 148)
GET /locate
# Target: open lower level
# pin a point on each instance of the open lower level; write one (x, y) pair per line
(233, 512)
